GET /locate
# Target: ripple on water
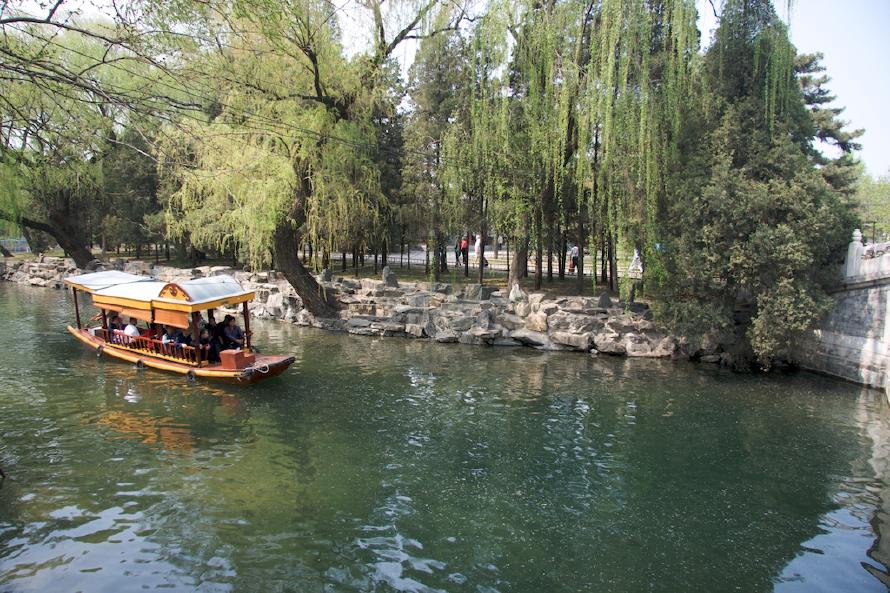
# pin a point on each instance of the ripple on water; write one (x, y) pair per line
(395, 465)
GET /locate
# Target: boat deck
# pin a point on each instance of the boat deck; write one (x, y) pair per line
(263, 367)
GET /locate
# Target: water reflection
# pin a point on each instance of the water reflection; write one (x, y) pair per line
(396, 465)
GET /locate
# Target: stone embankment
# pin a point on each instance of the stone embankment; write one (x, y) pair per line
(433, 311)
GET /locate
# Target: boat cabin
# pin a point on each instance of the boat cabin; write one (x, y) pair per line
(179, 305)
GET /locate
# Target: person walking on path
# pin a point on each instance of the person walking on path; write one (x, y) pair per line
(573, 263)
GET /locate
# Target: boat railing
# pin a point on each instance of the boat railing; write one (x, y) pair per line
(144, 345)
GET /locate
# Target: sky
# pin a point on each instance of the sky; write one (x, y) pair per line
(854, 35)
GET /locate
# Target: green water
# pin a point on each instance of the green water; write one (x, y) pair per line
(396, 465)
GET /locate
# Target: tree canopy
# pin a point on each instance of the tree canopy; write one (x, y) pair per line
(252, 129)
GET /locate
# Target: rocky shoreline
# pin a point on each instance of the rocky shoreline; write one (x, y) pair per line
(433, 311)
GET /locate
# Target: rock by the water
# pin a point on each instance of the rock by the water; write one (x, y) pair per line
(537, 322)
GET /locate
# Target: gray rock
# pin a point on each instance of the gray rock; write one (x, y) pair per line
(484, 333)
(665, 347)
(445, 336)
(523, 309)
(609, 343)
(509, 321)
(548, 308)
(416, 330)
(537, 322)
(573, 322)
(505, 342)
(530, 337)
(462, 324)
(485, 319)
(389, 279)
(576, 341)
(327, 275)
(478, 292)
(516, 294)
(358, 322)
(710, 358)
(604, 302)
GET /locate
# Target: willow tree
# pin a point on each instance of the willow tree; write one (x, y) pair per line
(594, 86)
(437, 93)
(290, 99)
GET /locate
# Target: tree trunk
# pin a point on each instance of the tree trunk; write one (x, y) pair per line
(520, 254)
(580, 267)
(437, 268)
(286, 239)
(539, 272)
(613, 272)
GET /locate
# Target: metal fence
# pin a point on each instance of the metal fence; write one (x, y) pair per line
(16, 245)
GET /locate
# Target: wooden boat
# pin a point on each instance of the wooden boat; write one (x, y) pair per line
(178, 305)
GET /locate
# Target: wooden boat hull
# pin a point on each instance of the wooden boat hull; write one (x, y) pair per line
(264, 368)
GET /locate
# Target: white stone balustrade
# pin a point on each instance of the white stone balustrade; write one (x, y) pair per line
(866, 263)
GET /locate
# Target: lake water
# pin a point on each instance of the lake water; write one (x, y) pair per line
(397, 465)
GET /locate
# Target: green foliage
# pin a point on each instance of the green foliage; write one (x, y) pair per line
(750, 221)
(872, 201)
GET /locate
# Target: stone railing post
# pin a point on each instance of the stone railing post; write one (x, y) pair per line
(853, 263)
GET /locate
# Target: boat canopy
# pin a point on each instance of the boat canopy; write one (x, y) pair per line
(99, 280)
(151, 300)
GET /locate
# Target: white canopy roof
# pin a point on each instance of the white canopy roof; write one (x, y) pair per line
(100, 280)
(210, 289)
(196, 292)
(138, 291)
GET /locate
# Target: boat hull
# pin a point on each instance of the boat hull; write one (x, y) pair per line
(264, 368)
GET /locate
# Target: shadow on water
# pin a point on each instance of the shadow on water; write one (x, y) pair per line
(398, 465)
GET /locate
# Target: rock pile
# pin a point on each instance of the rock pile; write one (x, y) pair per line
(477, 315)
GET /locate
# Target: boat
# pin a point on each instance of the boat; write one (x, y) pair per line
(174, 304)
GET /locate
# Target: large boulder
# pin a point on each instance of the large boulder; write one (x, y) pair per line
(445, 336)
(537, 322)
(478, 292)
(605, 301)
(532, 338)
(389, 279)
(516, 294)
(575, 323)
(462, 324)
(485, 319)
(510, 321)
(575, 340)
(523, 309)
(609, 343)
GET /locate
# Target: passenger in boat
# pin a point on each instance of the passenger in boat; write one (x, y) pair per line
(116, 323)
(210, 346)
(234, 337)
(166, 338)
(181, 339)
(131, 330)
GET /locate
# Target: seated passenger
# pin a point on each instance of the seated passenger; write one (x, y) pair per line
(180, 338)
(115, 324)
(166, 338)
(209, 346)
(234, 337)
(131, 330)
